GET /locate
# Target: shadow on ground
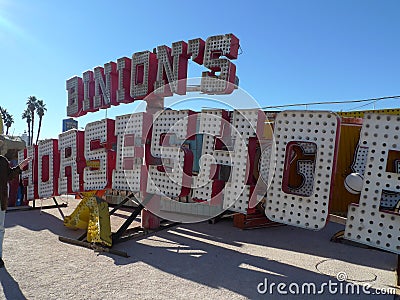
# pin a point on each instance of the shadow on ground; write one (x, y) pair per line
(11, 288)
(221, 256)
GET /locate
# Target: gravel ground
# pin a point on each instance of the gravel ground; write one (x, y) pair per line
(194, 261)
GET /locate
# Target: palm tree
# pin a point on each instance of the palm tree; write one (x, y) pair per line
(2, 118)
(27, 115)
(31, 103)
(40, 109)
(4, 113)
(8, 120)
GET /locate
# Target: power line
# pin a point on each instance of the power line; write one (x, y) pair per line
(334, 102)
(361, 106)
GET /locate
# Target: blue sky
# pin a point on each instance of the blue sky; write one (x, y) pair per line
(292, 51)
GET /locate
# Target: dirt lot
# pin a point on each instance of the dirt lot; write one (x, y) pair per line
(193, 261)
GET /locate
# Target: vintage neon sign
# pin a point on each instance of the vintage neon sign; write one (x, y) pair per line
(154, 153)
(124, 147)
(164, 72)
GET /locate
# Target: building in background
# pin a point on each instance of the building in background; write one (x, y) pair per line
(69, 124)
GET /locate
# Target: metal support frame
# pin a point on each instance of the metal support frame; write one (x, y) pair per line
(92, 246)
(116, 236)
(123, 233)
(34, 207)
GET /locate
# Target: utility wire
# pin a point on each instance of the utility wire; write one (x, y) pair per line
(334, 102)
(361, 106)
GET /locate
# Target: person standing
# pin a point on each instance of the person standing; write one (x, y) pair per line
(6, 174)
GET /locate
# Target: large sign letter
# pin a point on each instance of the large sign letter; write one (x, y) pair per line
(99, 154)
(72, 161)
(311, 136)
(216, 46)
(366, 223)
(48, 168)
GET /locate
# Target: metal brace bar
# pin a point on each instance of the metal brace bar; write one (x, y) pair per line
(116, 237)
